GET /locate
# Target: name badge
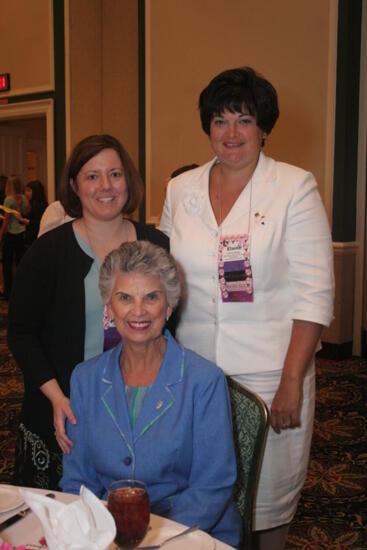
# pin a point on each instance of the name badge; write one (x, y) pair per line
(234, 268)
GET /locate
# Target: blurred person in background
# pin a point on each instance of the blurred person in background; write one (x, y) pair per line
(37, 204)
(53, 216)
(12, 230)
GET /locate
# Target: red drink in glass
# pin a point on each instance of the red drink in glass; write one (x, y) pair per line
(128, 503)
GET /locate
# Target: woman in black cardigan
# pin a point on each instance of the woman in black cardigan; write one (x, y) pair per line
(56, 318)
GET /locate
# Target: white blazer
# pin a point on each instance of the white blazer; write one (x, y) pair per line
(291, 257)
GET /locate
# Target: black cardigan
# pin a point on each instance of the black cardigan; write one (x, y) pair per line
(46, 324)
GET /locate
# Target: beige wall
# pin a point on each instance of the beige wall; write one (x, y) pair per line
(104, 70)
(341, 329)
(26, 45)
(190, 42)
(85, 34)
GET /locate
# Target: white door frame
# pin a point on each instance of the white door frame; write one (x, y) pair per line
(361, 190)
(31, 109)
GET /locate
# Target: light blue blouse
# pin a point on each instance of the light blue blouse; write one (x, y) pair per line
(94, 333)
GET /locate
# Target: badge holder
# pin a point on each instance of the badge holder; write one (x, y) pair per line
(234, 268)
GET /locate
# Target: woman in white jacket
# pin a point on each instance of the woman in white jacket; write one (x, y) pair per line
(253, 238)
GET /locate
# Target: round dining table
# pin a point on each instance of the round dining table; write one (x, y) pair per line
(28, 531)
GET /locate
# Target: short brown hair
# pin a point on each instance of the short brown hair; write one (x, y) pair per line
(86, 149)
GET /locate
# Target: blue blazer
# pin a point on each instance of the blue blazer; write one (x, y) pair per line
(181, 445)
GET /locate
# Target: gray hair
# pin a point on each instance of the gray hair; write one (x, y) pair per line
(145, 258)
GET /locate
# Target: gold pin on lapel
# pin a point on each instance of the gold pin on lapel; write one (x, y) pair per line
(159, 404)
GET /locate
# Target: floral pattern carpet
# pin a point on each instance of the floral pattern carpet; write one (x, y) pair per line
(332, 513)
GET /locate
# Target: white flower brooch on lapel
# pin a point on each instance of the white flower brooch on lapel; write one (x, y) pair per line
(193, 201)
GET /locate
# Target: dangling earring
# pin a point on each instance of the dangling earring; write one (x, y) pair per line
(107, 317)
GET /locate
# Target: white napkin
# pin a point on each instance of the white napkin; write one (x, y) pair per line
(85, 524)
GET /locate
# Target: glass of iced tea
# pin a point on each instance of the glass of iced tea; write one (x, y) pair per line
(128, 502)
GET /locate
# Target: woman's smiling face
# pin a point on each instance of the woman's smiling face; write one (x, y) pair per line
(236, 139)
(101, 186)
(139, 307)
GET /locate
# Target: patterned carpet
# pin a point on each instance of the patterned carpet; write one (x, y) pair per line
(11, 391)
(332, 513)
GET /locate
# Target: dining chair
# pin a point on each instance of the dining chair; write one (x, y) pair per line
(250, 419)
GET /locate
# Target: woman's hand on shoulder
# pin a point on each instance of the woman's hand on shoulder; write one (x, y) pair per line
(62, 411)
(286, 406)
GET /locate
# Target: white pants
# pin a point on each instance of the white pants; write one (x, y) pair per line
(286, 455)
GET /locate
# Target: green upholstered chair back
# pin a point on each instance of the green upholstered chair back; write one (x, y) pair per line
(250, 424)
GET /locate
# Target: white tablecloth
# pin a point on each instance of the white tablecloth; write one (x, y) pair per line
(28, 531)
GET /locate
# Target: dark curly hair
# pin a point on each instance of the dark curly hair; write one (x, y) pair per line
(234, 89)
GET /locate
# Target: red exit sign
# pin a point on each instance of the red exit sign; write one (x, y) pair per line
(4, 82)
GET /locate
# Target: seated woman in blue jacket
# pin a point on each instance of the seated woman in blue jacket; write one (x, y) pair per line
(149, 409)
